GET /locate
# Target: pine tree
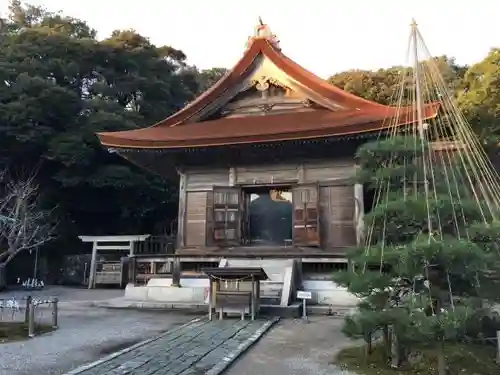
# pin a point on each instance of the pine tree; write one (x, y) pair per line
(425, 270)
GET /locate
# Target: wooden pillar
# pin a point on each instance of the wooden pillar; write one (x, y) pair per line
(93, 265)
(210, 298)
(232, 176)
(132, 270)
(132, 245)
(182, 209)
(301, 174)
(359, 212)
(176, 272)
(253, 295)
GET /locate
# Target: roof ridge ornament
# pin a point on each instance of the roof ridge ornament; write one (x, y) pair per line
(263, 31)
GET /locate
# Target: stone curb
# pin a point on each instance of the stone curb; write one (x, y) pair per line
(334, 311)
(242, 348)
(331, 310)
(88, 366)
(138, 305)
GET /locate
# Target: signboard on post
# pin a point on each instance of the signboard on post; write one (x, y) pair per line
(304, 296)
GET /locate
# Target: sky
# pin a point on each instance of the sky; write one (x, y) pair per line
(324, 36)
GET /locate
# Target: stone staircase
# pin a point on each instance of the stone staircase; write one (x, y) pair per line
(271, 292)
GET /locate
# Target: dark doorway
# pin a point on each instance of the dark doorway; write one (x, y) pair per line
(269, 215)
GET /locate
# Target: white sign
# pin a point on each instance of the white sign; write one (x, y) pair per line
(304, 295)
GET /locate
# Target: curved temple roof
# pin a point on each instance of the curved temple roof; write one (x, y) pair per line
(184, 130)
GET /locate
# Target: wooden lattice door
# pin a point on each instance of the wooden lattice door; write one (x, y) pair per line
(306, 215)
(227, 216)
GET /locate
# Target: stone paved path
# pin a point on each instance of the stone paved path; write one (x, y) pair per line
(192, 349)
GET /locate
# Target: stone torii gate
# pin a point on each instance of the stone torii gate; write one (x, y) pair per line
(127, 242)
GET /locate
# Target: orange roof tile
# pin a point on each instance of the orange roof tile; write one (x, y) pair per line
(291, 126)
(179, 131)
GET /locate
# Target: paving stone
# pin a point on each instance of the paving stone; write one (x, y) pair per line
(190, 350)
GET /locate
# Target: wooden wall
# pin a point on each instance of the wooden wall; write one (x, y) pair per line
(336, 196)
(336, 213)
(267, 174)
(196, 213)
(205, 179)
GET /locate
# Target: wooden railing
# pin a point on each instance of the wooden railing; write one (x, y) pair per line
(141, 268)
(156, 245)
(152, 258)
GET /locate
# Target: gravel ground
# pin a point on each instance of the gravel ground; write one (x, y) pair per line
(85, 334)
(293, 347)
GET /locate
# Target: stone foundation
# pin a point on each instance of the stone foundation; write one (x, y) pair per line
(327, 293)
(194, 290)
(161, 290)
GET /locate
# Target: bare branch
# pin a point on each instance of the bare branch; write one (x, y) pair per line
(24, 225)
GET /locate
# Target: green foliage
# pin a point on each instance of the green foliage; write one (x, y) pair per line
(208, 77)
(475, 89)
(395, 150)
(480, 99)
(17, 331)
(429, 253)
(403, 219)
(463, 359)
(62, 85)
(384, 85)
(487, 236)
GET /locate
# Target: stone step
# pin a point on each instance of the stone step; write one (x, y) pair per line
(271, 295)
(294, 310)
(271, 288)
(270, 301)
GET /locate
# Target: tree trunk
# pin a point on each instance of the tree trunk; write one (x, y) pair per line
(3, 276)
(395, 350)
(5, 259)
(498, 347)
(387, 341)
(3, 256)
(368, 346)
(7, 256)
(441, 361)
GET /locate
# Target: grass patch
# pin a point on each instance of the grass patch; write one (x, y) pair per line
(14, 331)
(461, 359)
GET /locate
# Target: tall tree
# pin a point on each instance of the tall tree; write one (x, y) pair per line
(25, 224)
(384, 85)
(480, 97)
(52, 105)
(421, 268)
(209, 77)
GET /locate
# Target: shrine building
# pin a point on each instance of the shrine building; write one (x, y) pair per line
(265, 160)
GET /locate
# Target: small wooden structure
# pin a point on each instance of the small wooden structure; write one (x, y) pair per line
(109, 272)
(234, 289)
